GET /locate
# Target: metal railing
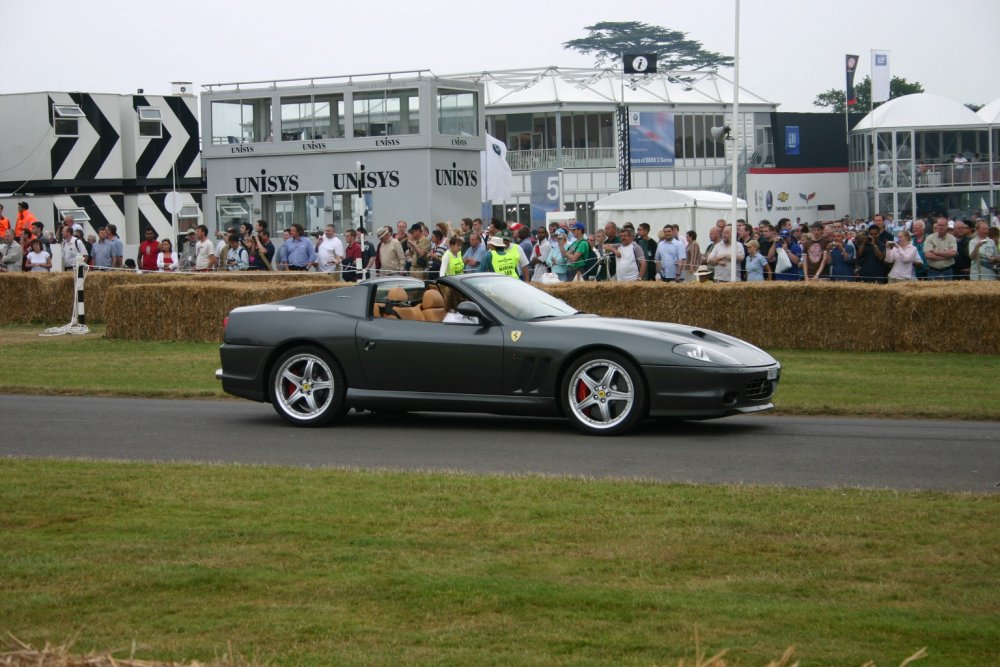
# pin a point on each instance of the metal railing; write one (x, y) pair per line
(572, 158)
(957, 175)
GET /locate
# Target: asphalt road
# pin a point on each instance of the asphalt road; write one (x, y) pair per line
(763, 449)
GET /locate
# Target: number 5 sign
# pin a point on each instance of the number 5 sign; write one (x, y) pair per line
(545, 194)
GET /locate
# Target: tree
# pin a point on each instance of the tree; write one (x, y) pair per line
(608, 40)
(834, 98)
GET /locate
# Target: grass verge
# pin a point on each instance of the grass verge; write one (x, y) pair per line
(315, 567)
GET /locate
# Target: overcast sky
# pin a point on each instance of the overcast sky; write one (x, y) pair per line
(790, 49)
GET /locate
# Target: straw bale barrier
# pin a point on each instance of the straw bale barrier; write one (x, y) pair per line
(191, 310)
(926, 317)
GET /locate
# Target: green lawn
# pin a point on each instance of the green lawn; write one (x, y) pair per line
(893, 384)
(316, 567)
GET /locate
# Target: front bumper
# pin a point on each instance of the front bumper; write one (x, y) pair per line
(712, 391)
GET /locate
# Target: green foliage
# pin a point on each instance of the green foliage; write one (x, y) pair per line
(834, 97)
(321, 567)
(608, 40)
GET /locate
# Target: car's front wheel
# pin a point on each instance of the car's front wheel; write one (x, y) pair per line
(604, 393)
(307, 387)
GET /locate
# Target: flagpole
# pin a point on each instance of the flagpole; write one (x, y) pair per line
(733, 239)
(871, 116)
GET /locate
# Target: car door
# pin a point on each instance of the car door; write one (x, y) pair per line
(409, 355)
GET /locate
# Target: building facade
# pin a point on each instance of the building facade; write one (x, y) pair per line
(103, 158)
(350, 151)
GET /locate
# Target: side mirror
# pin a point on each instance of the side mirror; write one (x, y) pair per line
(472, 309)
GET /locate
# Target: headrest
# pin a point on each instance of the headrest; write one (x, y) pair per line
(432, 299)
(398, 294)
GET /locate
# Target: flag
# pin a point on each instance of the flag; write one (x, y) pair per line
(496, 172)
(640, 63)
(880, 76)
(852, 66)
(983, 208)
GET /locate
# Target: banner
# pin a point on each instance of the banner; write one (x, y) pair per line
(495, 171)
(651, 139)
(545, 194)
(792, 140)
(852, 66)
(880, 76)
(640, 63)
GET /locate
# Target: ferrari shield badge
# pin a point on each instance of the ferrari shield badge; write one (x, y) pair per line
(515, 336)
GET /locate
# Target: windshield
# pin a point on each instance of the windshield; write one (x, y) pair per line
(519, 299)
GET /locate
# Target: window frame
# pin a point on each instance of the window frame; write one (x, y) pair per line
(147, 125)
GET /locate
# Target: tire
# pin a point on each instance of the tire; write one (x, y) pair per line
(603, 393)
(307, 387)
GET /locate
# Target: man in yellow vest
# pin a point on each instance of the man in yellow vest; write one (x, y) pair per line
(502, 259)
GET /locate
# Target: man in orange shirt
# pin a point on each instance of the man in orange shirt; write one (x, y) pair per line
(24, 220)
(4, 223)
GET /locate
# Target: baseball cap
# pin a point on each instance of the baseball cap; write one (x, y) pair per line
(578, 225)
(416, 226)
(559, 232)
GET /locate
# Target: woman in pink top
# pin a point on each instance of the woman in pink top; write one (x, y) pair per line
(903, 256)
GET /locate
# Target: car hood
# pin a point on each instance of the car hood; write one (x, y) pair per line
(650, 342)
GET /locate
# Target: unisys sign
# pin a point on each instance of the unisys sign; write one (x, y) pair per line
(367, 180)
(265, 183)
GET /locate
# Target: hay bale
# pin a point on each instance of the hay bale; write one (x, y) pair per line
(949, 317)
(36, 298)
(832, 316)
(190, 310)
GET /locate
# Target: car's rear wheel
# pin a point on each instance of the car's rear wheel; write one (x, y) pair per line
(604, 393)
(307, 387)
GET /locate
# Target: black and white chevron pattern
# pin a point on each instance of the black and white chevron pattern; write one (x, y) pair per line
(178, 145)
(102, 209)
(96, 152)
(153, 212)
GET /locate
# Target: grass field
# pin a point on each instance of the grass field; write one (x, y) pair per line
(959, 386)
(315, 567)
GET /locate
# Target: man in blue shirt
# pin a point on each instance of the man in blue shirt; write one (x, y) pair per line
(298, 253)
(105, 252)
(669, 255)
(476, 253)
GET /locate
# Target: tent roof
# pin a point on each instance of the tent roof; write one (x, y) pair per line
(920, 110)
(652, 198)
(991, 112)
(571, 85)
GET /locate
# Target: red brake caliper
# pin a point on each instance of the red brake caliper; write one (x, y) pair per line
(581, 393)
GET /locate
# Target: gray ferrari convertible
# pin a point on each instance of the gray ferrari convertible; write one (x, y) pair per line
(483, 342)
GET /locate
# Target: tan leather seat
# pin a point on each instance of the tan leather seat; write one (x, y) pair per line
(432, 306)
(398, 294)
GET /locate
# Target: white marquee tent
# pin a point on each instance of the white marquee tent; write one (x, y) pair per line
(691, 209)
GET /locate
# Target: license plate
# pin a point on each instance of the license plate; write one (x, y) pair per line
(772, 373)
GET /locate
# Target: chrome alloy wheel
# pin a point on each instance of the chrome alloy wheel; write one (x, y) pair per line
(304, 387)
(601, 394)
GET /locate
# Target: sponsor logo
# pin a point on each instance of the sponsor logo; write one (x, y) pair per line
(881, 60)
(769, 200)
(807, 197)
(368, 179)
(497, 149)
(456, 177)
(313, 146)
(459, 142)
(782, 196)
(265, 183)
(515, 336)
(241, 149)
(386, 142)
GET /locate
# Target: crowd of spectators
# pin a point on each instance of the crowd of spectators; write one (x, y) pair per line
(880, 250)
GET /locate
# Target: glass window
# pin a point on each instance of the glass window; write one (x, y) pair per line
(381, 113)
(607, 130)
(307, 117)
(699, 135)
(79, 215)
(500, 128)
(65, 122)
(457, 112)
(593, 130)
(232, 210)
(720, 146)
(241, 121)
(305, 208)
(567, 130)
(150, 122)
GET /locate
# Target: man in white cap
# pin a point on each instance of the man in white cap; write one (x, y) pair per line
(502, 259)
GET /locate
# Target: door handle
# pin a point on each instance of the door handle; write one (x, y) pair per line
(369, 346)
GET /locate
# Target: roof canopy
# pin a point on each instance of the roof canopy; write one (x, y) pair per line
(990, 113)
(645, 199)
(549, 85)
(917, 111)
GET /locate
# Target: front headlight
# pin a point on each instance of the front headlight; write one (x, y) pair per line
(706, 354)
